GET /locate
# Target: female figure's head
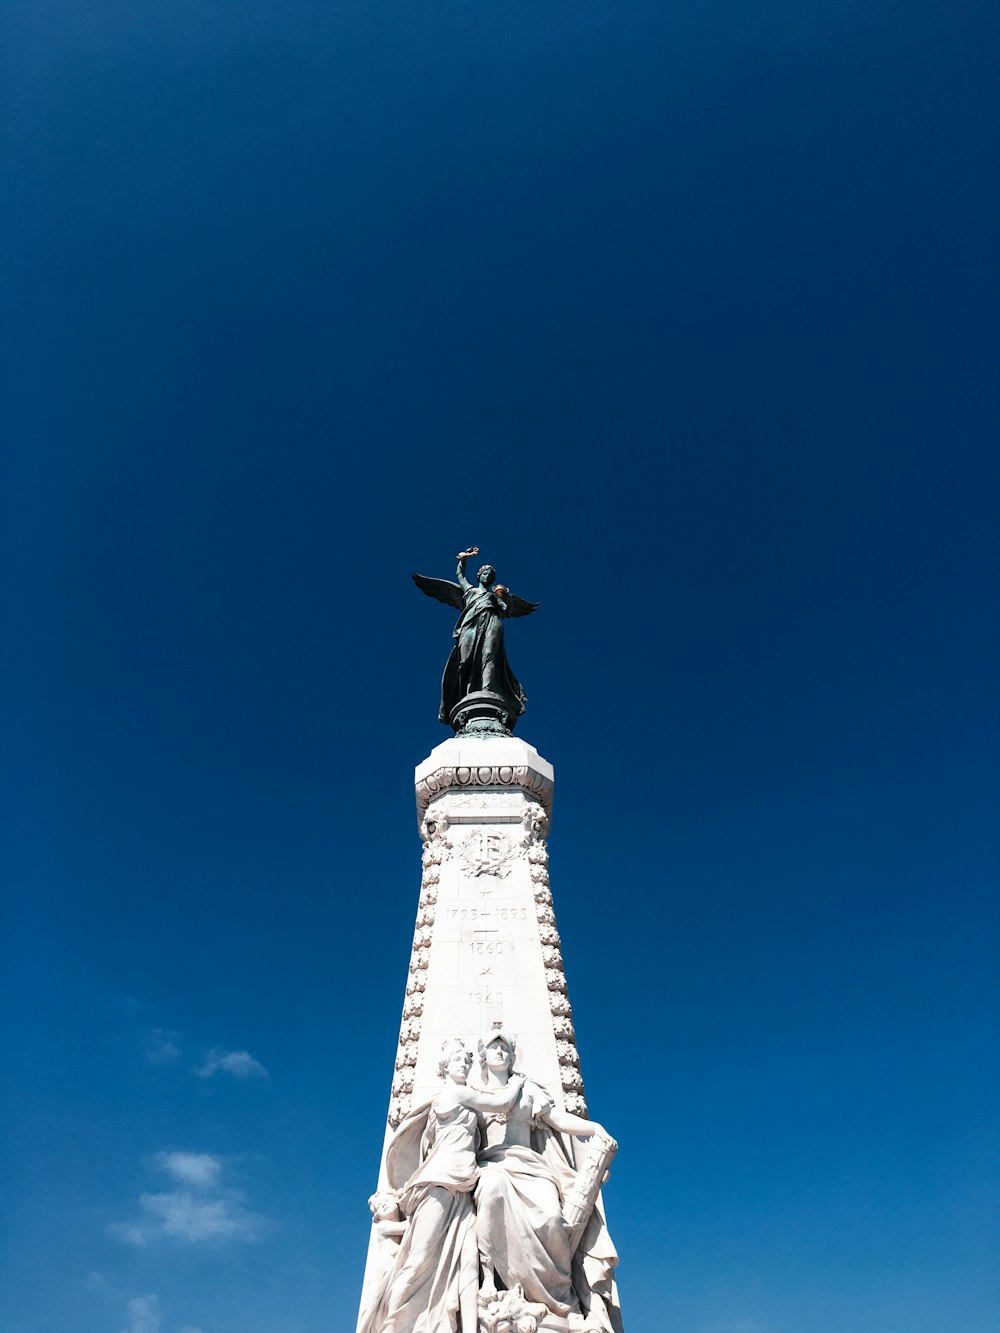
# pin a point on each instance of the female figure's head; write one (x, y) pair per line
(486, 576)
(456, 1060)
(497, 1052)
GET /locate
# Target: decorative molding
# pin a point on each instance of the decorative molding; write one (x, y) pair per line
(475, 801)
(437, 845)
(567, 1052)
(437, 848)
(536, 827)
(402, 1080)
(498, 776)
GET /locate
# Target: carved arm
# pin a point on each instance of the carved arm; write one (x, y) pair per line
(567, 1123)
(460, 572)
(486, 1100)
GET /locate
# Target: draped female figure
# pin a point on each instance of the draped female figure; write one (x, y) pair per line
(432, 1283)
(525, 1176)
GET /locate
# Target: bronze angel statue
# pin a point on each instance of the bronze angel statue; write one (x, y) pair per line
(480, 695)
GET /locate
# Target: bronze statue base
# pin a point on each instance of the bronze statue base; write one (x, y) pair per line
(483, 714)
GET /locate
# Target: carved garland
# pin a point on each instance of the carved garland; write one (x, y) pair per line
(536, 826)
(434, 831)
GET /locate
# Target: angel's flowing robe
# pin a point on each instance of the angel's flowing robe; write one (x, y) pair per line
(478, 661)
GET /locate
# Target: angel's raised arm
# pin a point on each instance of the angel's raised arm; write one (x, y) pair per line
(462, 557)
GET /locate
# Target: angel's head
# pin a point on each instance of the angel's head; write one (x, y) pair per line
(486, 576)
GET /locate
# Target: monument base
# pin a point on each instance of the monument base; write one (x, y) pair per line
(483, 714)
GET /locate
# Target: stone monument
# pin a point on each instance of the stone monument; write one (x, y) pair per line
(487, 1215)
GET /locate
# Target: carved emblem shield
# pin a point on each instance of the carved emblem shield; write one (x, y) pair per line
(486, 852)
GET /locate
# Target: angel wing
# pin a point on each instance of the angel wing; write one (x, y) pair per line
(517, 606)
(443, 590)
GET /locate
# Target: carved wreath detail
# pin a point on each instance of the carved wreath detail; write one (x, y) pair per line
(486, 852)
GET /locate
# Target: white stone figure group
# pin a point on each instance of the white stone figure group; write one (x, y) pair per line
(487, 1226)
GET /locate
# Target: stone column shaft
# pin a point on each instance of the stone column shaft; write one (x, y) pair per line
(486, 951)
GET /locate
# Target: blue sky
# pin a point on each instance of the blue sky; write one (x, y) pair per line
(686, 315)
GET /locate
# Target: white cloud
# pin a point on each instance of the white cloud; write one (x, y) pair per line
(188, 1328)
(198, 1169)
(194, 1218)
(144, 1315)
(190, 1218)
(240, 1064)
(201, 1212)
(162, 1047)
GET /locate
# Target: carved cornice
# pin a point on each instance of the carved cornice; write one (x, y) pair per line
(501, 777)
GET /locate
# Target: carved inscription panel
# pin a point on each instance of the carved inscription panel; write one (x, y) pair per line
(496, 956)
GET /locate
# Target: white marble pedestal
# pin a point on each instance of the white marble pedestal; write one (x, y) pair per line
(486, 950)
